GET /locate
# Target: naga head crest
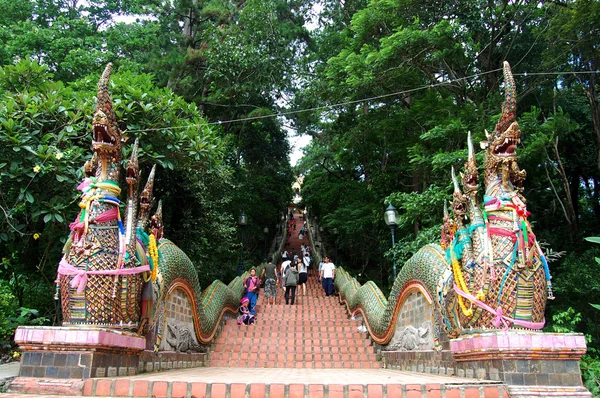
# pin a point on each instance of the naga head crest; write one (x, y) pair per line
(458, 201)
(502, 143)
(106, 136)
(471, 175)
(156, 222)
(133, 171)
(146, 198)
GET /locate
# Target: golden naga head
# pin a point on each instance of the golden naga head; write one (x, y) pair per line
(502, 143)
(106, 136)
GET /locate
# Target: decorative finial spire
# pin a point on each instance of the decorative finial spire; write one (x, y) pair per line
(509, 107)
(106, 137)
(470, 146)
(455, 181)
(146, 200)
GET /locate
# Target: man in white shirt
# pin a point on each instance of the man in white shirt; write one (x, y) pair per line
(327, 276)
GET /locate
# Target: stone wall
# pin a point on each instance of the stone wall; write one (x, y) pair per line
(414, 325)
(179, 334)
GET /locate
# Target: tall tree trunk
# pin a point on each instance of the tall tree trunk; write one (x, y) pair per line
(592, 96)
(566, 204)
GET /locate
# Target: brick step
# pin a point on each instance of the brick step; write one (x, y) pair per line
(308, 319)
(308, 338)
(182, 389)
(259, 340)
(232, 337)
(358, 353)
(287, 349)
(357, 347)
(298, 325)
(301, 308)
(293, 356)
(295, 364)
(299, 312)
(342, 325)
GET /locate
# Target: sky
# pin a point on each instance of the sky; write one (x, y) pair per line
(297, 142)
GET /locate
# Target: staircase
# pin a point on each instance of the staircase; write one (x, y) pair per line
(314, 333)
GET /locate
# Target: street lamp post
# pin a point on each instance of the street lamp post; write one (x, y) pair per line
(390, 215)
(266, 231)
(242, 222)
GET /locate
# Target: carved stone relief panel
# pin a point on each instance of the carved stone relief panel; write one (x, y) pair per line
(414, 325)
(179, 333)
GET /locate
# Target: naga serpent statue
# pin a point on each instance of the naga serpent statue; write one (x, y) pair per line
(489, 272)
(119, 272)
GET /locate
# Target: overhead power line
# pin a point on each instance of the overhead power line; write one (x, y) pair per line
(358, 101)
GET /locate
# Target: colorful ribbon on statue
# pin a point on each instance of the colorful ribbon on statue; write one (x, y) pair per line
(80, 276)
(499, 318)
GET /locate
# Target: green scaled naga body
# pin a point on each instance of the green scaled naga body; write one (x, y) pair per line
(489, 271)
(120, 272)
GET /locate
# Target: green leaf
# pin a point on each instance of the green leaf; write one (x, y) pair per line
(59, 218)
(596, 306)
(29, 197)
(47, 218)
(593, 239)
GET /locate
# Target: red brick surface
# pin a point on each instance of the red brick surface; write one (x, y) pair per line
(355, 391)
(238, 390)
(257, 391)
(316, 391)
(277, 391)
(375, 391)
(87, 387)
(159, 389)
(491, 392)
(140, 388)
(199, 390)
(452, 393)
(122, 387)
(218, 390)
(394, 390)
(433, 390)
(296, 391)
(413, 391)
(471, 392)
(103, 387)
(179, 389)
(336, 391)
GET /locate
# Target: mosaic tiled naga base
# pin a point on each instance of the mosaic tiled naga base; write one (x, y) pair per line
(531, 364)
(56, 359)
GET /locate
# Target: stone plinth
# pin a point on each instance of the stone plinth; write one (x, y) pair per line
(77, 352)
(532, 364)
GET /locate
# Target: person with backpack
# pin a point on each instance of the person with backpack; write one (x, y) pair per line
(271, 280)
(290, 281)
(284, 267)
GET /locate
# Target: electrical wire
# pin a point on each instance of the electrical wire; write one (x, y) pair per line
(339, 104)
